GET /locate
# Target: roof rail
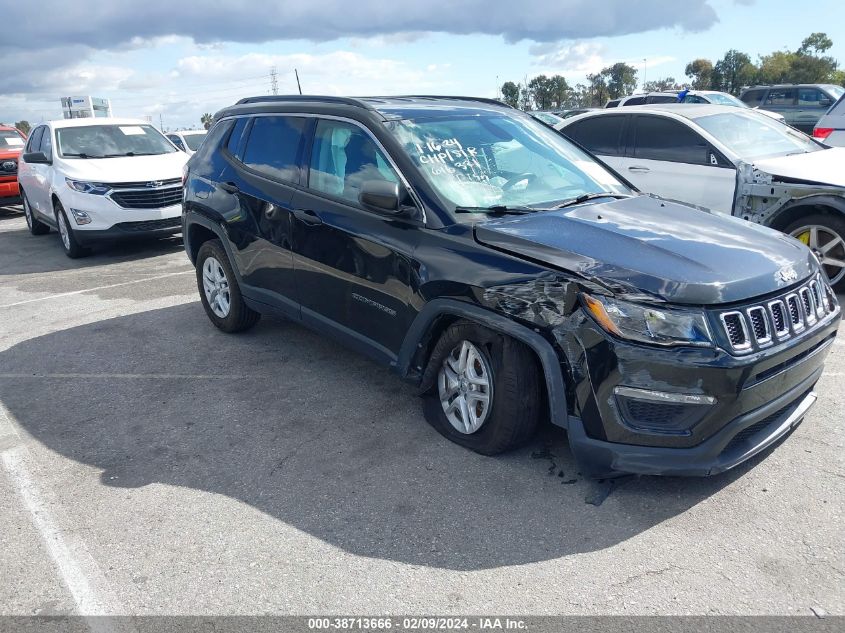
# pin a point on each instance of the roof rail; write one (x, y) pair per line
(453, 97)
(320, 98)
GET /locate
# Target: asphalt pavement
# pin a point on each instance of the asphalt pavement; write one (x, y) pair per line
(150, 464)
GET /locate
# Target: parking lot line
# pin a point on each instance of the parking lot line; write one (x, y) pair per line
(66, 556)
(79, 292)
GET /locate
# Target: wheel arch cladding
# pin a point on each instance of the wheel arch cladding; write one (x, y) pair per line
(438, 312)
(196, 237)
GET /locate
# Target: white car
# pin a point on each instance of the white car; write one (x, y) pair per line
(714, 97)
(729, 160)
(100, 179)
(188, 141)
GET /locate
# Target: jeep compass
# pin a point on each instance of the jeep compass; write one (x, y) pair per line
(510, 275)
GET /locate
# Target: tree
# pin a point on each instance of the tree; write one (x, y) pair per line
(732, 72)
(24, 126)
(540, 90)
(510, 94)
(818, 42)
(596, 90)
(559, 90)
(662, 85)
(207, 119)
(701, 72)
(620, 79)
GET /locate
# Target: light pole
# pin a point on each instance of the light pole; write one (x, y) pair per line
(645, 72)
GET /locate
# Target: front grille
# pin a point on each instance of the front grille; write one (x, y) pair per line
(8, 167)
(142, 184)
(148, 199)
(758, 326)
(151, 225)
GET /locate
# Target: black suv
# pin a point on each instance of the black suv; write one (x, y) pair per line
(511, 276)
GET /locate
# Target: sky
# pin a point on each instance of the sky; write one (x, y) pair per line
(174, 61)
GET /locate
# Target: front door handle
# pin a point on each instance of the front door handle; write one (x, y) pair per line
(639, 169)
(307, 216)
(229, 187)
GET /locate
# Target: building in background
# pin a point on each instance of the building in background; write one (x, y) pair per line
(85, 107)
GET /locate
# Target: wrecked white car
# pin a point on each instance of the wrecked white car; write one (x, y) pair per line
(730, 161)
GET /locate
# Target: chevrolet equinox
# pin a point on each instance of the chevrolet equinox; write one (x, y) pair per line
(511, 276)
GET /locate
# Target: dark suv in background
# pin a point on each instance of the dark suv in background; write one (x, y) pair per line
(511, 276)
(802, 105)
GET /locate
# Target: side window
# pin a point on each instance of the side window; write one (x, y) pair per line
(343, 157)
(752, 97)
(273, 146)
(635, 101)
(600, 134)
(235, 137)
(35, 139)
(695, 99)
(781, 97)
(47, 143)
(176, 141)
(810, 97)
(659, 138)
(662, 99)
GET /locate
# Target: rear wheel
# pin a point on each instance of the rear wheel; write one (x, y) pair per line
(825, 235)
(219, 290)
(70, 244)
(36, 226)
(487, 394)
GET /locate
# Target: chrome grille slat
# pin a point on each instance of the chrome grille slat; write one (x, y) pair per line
(760, 325)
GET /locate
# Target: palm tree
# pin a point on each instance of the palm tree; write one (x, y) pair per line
(207, 120)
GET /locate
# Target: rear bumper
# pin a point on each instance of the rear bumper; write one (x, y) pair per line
(738, 441)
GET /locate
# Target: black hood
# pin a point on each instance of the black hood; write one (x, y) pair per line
(646, 245)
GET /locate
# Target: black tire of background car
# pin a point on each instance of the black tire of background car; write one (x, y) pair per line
(241, 317)
(36, 226)
(76, 249)
(517, 391)
(835, 223)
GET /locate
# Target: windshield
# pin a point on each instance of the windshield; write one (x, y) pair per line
(107, 141)
(725, 99)
(193, 141)
(837, 91)
(9, 139)
(500, 160)
(751, 135)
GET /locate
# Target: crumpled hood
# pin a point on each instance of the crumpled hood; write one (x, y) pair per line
(126, 168)
(646, 245)
(826, 167)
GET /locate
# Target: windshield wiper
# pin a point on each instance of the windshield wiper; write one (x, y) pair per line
(589, 196)
(81, 155)
(497, 209)
(130, 154)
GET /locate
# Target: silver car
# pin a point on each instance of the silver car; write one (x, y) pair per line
(830, 129)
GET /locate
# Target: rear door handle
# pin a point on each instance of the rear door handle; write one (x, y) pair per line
(307, 216)
(229, 187)
(638, 168)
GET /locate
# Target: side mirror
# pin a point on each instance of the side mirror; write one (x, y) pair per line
(34, 158)
(380, 195)
(825, 103)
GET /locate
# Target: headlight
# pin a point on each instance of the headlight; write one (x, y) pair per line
(647, 324)
(95, 188)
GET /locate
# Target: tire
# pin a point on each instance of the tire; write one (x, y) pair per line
(514, 406)
(36, 226)
(70, 244)
(214, 270)
(825, 234)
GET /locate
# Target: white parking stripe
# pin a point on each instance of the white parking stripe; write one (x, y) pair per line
(75, 565)
(140, 376)
(79, 292)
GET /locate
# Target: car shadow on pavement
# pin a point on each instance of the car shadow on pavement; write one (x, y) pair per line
(24, 253)
(9, 213)
(316, 436)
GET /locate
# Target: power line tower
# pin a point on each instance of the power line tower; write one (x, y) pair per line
(274, 81)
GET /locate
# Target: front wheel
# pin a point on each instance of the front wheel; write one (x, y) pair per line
(825, 235)
(70, 244)
(487, 394)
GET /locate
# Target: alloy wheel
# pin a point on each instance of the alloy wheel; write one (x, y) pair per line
(64, 231)
(828, 246)
(27, 212)
(465, 386)
(216, 287)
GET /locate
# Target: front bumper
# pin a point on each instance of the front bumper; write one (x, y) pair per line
(132, 230)
(9, 193)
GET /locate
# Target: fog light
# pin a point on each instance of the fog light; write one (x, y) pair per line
(81, 217)
(660, 411)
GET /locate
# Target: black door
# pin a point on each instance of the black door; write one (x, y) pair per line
(352, 265)
(260, 178)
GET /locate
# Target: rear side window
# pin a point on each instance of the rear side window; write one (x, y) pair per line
(811, 97)
(273, 146)
(35, 139)
(600, 134)
(662, 99)
(659, 138)
(781, 97)
(635, 101)
(752, 97)
(235, 137)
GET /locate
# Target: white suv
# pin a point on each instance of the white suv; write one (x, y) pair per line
(100, 179)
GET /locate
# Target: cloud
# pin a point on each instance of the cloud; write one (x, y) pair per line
(583, 58)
